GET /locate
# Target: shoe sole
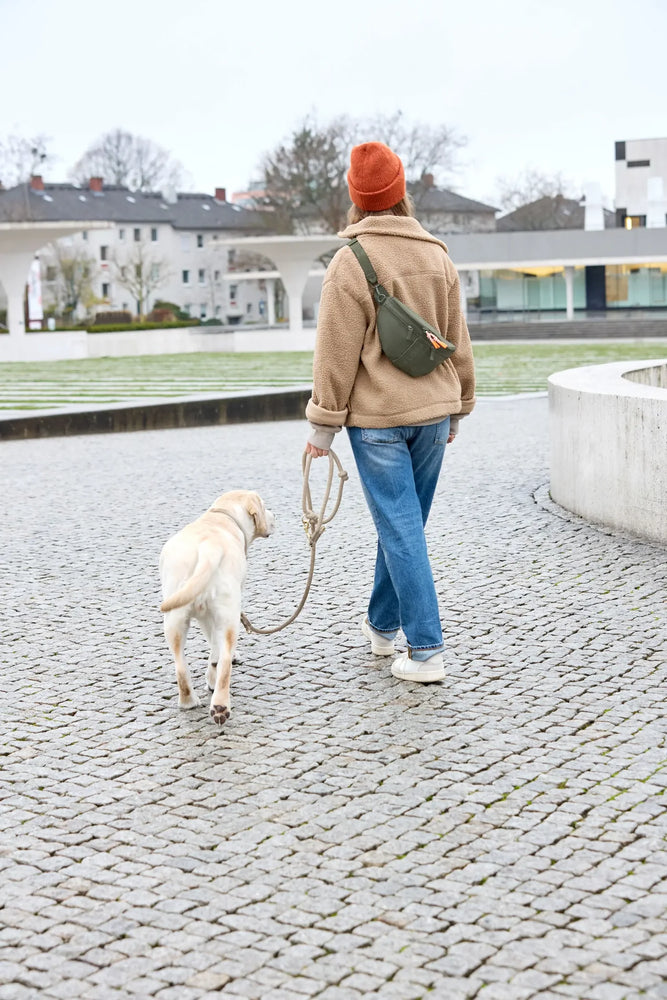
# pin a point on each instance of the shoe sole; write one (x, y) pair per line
(421, 677)
(376, 650)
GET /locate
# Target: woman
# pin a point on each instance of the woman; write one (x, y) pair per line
(398, 425)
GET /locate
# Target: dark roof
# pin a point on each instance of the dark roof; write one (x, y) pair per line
(549, 213)
(435, 199)
(59, 202)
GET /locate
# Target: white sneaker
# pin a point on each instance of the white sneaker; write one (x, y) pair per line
(421, 671)
(380, 645)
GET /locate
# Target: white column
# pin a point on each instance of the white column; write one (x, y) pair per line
(14, 269)
(271, 301)
(463, 280)
(569, 291)
(294, 274)
(593, 212)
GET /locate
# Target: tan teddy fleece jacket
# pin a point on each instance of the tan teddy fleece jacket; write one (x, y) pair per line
(354, 383)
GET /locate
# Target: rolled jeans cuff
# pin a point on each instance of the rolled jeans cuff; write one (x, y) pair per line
(419, 655)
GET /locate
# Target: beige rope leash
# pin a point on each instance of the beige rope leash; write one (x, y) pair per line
(313, 524)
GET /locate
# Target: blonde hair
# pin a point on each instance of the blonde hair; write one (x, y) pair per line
(402, 207)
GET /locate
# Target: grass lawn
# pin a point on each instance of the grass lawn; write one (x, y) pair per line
(502, 369)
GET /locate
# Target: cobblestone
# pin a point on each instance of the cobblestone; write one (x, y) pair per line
(345, 835)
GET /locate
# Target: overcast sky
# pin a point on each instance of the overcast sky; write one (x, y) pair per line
(548, 85)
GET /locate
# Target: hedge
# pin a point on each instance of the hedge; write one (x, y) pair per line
(115, 327)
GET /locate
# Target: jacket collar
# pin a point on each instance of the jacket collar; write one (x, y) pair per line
(390, 225)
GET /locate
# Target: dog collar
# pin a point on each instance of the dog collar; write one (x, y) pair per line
(219, 510)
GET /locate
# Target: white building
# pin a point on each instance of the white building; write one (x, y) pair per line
(641, 183)
(157, 250)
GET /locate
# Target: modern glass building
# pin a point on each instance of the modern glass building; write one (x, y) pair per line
(595, 287)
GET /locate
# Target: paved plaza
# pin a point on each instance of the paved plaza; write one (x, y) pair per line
(498, 836)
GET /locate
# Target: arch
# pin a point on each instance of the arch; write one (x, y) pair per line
(293, 257)
(19, 242)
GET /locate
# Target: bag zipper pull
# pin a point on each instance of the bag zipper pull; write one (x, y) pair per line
(434, 340)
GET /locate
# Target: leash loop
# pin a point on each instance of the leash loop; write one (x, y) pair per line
(314, 525)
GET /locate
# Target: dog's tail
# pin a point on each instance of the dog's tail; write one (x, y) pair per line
(208, 559)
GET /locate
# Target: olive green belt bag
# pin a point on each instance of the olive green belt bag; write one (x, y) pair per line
(410, 343)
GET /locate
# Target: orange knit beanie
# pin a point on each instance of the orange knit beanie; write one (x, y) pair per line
(376, 178)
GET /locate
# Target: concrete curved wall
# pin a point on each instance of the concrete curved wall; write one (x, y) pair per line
(608, 429)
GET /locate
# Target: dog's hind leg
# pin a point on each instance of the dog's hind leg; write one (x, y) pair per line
(211, 633)
(175, 630)
(220, 701)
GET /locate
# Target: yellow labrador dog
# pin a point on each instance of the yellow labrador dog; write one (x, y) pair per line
(203, 569)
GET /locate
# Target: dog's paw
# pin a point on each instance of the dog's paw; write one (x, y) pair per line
(220, 714)
(191, 701)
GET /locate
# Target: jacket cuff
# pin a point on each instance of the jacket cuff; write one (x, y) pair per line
(322, 437)
(454, 424)
(328, 418)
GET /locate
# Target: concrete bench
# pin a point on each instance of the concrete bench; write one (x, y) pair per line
(608, 429)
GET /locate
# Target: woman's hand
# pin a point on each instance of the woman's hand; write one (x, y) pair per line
(316, 452)
(451, 438)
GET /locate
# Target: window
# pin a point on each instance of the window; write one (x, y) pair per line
(51, 273)
(200, 241)
(201, 276)
(233, 289)
(202, 311)
(137, 270)
(124, 306)
(105, 290)
(216, 277)
(639, 163)
(620, 150)
(104, 253)
(187, 308)
(137, 235)
(231, 257)
(84, 235)
(154, 235)
(218, 310)
(155, 272)
(248, 308)
(121, 234)
(123, 272)
(635, 221)
(186, 277)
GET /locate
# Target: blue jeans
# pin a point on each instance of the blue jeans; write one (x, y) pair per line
(399, 469)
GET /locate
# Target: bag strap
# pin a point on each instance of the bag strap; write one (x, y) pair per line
(379, 292)
(366, 266)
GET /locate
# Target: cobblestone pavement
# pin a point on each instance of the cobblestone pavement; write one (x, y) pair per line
(345, 835)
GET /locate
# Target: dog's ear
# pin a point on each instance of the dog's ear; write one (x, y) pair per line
(258, 514)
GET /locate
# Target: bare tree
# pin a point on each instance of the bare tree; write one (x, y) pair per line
(424, 149)
(129, 160)
(305, 177)
(529, 186)
(211, 269)
(141, 272)
(21, 157)
(75, 270)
